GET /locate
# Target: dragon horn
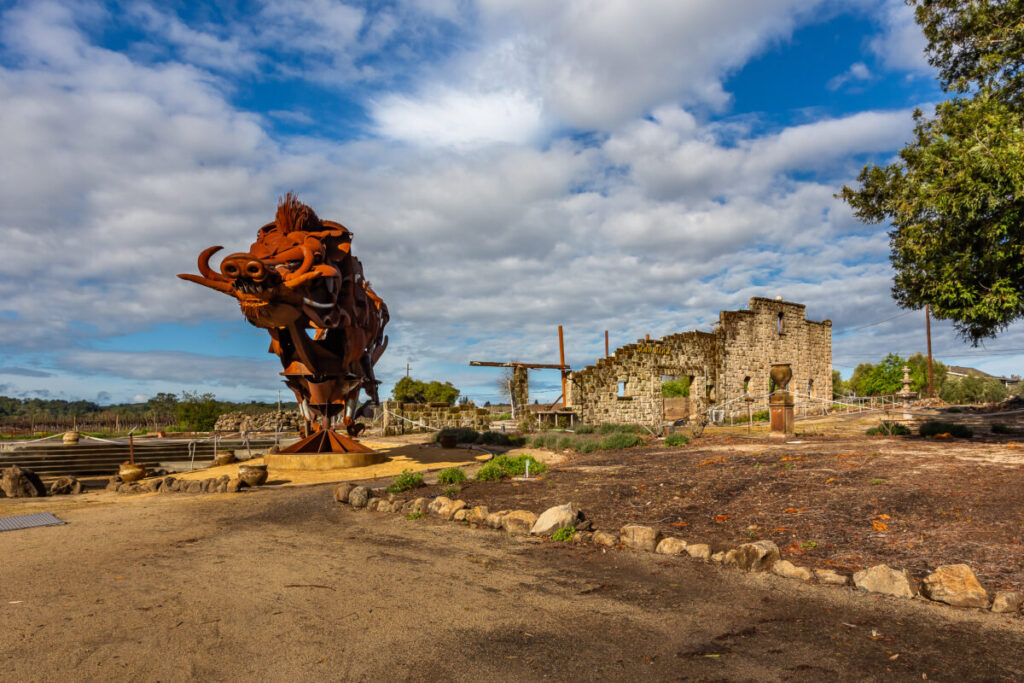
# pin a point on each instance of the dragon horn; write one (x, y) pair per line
(204, 265)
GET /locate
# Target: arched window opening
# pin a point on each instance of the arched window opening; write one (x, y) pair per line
(780, 323)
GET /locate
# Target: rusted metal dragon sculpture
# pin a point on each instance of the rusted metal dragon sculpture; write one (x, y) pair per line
(300, 276)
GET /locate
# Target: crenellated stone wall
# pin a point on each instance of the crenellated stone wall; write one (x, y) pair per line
(737, 356)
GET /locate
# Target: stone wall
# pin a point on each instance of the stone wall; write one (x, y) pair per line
(284, 420)
(626, 387)
(437, 415)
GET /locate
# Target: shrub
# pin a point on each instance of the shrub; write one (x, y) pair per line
(414, 515)
(612, 428)
(490, 472)
(504, 466)
(451, 491)
(889, 429)
(451, 475)
(584, 429)
(933, 427)
(565, 442)
(495, 438)
(587, 445)
(676, 439)
(462, 434)
(1000, 428)
(405, 481)
(564, 534)
(620, 440)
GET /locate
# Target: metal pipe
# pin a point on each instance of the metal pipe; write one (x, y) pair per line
(561, 360)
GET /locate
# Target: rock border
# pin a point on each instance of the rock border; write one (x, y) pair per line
(954, 585)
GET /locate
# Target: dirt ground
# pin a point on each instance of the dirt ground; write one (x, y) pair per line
(843, 502)
(282, 583)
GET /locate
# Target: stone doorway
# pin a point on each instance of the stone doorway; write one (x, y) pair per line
(675, 394)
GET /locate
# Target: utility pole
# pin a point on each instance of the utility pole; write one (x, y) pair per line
(928, 329)
(606, 343)
(561, 361)
(406, 369)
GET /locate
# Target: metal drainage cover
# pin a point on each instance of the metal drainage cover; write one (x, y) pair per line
(29, 521)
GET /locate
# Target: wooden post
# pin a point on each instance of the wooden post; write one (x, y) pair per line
(561, 360)
(606, 343)
(928, 329)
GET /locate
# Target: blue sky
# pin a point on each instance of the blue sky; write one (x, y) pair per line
(506, 167)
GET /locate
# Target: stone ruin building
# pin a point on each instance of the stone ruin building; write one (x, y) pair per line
(733, 359)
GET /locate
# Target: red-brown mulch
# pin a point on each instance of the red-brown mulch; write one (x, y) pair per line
(845, 503)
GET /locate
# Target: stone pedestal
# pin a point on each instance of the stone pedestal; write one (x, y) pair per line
(780, 412)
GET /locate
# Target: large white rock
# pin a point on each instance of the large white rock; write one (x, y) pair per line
(671, 546)
(639, 537)
(758, 556)
(885, 580)
(955, 584)
(553, 519)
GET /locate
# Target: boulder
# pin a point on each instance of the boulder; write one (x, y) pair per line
(639, 537)
(341, 492)
(699, 551)
(359, 496)
(194, 486)
(831, 577)
(603, 538)
(22, 482)
(449, 510)
(496, 519)
(671, 546)
(124, 487)
(151, 485)
(758, 556)
(477, 515)
(113, 483)
(170, 485)
(236, 485)
(63, 486)
(718, 557)
(885, 580)
(519, 522)
(558, 517)
(383, 505)
(438, 503)
(460, 515)
(416, 506)
(1007, 601)
(209, 485)
(954, 584)
(222, 486)
(372, 504)
(788, 570)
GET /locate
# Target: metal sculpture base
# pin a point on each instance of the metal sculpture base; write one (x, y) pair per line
(327, 441)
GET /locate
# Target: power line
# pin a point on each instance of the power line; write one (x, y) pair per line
(861, 327)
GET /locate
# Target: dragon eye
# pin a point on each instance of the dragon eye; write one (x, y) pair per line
(253, 268)
(230, 269)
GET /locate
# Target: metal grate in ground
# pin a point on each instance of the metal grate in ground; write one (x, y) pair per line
(29, 521)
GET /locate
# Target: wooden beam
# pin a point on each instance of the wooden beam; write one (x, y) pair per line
(510, 364)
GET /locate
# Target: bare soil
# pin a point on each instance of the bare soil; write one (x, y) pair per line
(840, 502)
(282, 583)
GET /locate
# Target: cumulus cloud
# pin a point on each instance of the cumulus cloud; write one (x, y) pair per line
(858, 72)
(901, 44)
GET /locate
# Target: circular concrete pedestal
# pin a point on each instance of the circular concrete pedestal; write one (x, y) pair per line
(321, 461)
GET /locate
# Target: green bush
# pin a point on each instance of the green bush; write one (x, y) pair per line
(405, 481)
(503, 466)
(620, 440)
(889, 429)
(462, 434)
(451, 491)
(612, 428)
(495, 438)
(584, 429)
(676, 439)
(587, 445)
(1000, 428)
(565, 442)
(564, 534)
(451, 475)
(933, 427)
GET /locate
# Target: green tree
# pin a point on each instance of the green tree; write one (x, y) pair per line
(919, 374)
(675, 388)
(198, 412)
(839, 387)
(881, 379)
(955, 198)
(409, 390)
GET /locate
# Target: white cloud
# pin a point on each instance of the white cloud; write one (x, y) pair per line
(901, 44)
(857, 72)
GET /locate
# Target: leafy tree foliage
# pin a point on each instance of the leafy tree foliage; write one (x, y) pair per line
(409, 390)
(973, 389)
(675, 388)
(839, 387)
(197, 411)
(955, 198)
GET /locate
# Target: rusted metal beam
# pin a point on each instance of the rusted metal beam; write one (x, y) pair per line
(510, 364)
(561, 359)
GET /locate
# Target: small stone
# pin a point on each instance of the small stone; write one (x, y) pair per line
(379, 492)
(582, 537)
(209, 485)
(373, 504)
(729, 557)
(519, 522)
(341, 492)
(195, 486)
(236, 485)
(699, 551)
(639, 537)
(460, 515)
(718, 557)
(758, 556)
(449, 510)
(495, 519)
(222, 486)
(885, 580)
(151, 485)
(170, 485)
(788, 570)
(478, 515)
(420, 506)
(1007, 601)
(124, 487)
(113, 483)
(438, 503)
(558, 517)
(831, 577)
(603, 538)
(955, 584)
(359, 496)
(671, 546)
(64, 486)
(223, 479)
(383, 505)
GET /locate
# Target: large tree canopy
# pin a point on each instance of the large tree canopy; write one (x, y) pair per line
(955, 198)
